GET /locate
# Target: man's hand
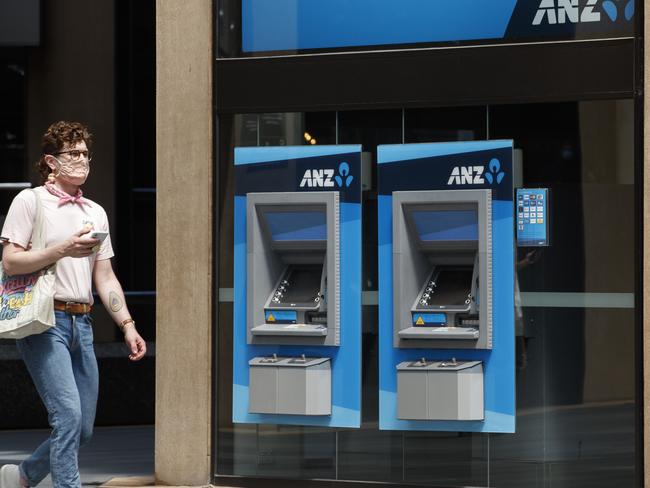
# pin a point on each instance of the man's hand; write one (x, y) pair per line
(77, 246)
(135, 343)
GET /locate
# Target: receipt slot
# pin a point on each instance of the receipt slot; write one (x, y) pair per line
(293, 268)
(446, 287)
(297, 289)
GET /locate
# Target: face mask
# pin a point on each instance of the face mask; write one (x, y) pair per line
(75, 172)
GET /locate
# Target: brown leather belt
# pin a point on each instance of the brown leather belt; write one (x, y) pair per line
(72, 307)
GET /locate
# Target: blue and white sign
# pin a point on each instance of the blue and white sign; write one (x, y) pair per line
(277, 171)
(414, 172)
(290, 25)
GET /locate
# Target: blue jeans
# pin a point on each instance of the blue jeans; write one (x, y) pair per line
(62, 364)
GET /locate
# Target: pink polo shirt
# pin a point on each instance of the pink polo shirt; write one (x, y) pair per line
(73, 275)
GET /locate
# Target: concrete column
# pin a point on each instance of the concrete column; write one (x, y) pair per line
(184, 241)
(646, 250)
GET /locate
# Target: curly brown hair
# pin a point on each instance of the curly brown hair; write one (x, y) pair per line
(56, 137)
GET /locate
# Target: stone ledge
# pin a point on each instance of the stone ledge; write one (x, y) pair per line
(142, 482)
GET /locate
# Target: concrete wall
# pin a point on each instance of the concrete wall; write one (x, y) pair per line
(184, 241)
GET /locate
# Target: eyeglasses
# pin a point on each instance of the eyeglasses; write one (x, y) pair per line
(76, 155)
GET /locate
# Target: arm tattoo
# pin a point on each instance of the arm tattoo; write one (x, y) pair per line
(114, 302)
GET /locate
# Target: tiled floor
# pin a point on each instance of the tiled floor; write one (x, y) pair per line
(114, 452)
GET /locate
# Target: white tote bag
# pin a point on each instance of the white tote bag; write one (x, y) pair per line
(27, 305)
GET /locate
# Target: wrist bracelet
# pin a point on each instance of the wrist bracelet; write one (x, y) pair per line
(122, 325)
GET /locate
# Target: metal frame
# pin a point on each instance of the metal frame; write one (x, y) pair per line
(456, 76)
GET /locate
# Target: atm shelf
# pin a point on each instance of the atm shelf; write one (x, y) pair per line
(439, 333)
(289, 330)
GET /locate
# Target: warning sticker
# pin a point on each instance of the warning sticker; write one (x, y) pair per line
(429, 319)
(280, 316)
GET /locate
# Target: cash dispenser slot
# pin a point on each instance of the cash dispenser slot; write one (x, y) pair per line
(290, 385)
(292, 252)
(441, 269)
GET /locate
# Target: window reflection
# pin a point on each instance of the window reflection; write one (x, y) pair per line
(575, 330)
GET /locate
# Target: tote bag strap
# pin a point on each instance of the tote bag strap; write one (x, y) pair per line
(38, 232)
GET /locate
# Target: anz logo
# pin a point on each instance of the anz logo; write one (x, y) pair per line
(466, 175)
(571, 12)
(476, 175)
(325, 178)
(561, 11)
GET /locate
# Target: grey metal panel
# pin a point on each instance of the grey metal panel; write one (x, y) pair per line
(304, 330)
(410, 267)
(265, 266)
(438, 333)
(287, 361)
(443, 402)
(292, 391)
(412, 395)
(319, 389)
(470, 387)
(263, 390)
(438, 390)
(290, 385)
(409, 263)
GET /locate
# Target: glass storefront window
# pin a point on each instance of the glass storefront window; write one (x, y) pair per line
(575, 316)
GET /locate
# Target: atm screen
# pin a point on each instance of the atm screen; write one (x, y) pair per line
(297, 226)
(446, 225)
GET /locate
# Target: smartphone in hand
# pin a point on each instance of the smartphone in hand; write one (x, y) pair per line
(100, 235)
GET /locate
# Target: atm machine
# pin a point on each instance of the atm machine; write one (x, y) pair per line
(290, 258)
(442, 268)
(446, 292)
(297, 291)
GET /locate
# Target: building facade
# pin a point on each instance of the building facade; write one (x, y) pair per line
(564, 82)
(172, 88)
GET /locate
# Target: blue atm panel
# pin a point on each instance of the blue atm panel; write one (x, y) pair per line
(297, 289)
(446, 287)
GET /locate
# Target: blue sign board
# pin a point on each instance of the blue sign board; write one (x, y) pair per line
(308, 169)
(291, 25)
(448, 168)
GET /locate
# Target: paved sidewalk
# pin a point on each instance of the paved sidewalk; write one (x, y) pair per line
(114, 452)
